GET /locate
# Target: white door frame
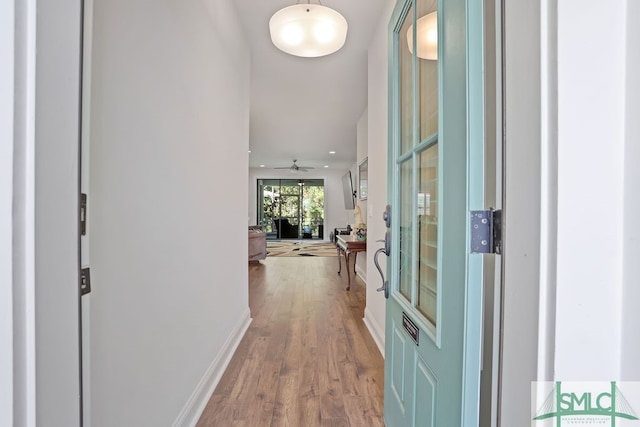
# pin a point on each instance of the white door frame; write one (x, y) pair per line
(17, 210)
(523, 173)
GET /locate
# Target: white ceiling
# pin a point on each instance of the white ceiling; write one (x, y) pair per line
(302, 108)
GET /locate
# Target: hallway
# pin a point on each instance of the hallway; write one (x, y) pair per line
(307, 359)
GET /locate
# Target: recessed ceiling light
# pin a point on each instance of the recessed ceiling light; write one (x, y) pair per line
(261, 166)
(249, 150)
(332, 152)
(326, 166)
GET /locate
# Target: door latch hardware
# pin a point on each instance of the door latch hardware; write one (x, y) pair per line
(83, 214)
(85, 281)
(486, 231)
(386, 216)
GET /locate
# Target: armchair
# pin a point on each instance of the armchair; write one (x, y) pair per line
(286, 230)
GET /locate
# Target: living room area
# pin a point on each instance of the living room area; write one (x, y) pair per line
(305, 208)
(291, 208)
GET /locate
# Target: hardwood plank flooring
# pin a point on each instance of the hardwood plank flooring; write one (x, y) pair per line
(307, 359)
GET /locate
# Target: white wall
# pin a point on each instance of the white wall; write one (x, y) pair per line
(591, 138)
(6, 216)
(630, 369)
(377, 134)
(584, 179)
(169, 141)
(56, 207)
(336, 216)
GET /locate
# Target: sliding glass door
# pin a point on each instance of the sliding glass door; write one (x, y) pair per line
(291, 208)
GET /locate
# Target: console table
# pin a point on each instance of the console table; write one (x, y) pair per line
(349, 245)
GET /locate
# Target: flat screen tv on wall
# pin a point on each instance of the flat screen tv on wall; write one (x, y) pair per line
(347, 191)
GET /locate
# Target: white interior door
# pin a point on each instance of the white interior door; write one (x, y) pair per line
(57, 323)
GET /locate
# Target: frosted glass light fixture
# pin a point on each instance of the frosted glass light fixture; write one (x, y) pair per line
(308, 30)
(426, 35)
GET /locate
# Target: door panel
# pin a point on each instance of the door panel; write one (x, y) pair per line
(435, 177)
(398, 363)
(426, 390)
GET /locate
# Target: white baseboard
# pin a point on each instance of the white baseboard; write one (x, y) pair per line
(192, 411)
(375, 330)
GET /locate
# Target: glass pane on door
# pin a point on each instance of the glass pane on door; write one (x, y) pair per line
(428, 233)
(406, 229)
(406, 87)
(427, 63)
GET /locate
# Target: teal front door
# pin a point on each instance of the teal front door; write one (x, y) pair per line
(434, 309)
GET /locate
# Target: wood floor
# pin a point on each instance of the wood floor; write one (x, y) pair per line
(307, 358)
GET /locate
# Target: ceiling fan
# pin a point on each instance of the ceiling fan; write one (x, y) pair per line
(295, 168)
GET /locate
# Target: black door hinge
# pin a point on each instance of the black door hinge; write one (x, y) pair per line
(486, 231)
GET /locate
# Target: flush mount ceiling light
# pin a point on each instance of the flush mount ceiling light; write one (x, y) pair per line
(308, 30)
(426, 35)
